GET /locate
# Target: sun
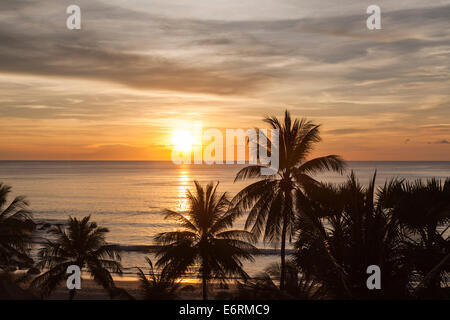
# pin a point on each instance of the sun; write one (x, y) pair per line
(182, 140)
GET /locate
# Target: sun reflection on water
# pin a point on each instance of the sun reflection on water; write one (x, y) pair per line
(184, 179)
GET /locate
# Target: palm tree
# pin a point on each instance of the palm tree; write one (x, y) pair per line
(262, 287)
(205, 238)
(81, 243)
(343, 229)
(16, 227)
(158, 286)
(424, 209)
(271, 199)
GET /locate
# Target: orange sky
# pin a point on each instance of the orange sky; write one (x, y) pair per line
(117, 89)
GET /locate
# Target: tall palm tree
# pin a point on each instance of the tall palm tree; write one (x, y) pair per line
(159, 286)
(16, 227)
(271, 199)
(205, 238)
(81, 243)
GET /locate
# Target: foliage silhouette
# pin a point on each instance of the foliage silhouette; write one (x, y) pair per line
(271, 200)
(157, 286)
(205, 239)
(343, 229)
(80, 243)
(16, 228)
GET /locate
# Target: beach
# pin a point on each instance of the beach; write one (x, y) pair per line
(90, 290)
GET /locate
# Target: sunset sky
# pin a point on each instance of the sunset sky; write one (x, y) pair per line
(139, 69)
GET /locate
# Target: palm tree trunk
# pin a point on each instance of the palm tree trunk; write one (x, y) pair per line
(74, 291)
(283, 255)
(205, 286)
(432, 273)
(323, 235)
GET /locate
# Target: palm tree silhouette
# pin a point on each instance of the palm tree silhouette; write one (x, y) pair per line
(81, 243)
(344, 229)
(16, 227)
(424, 209)
(158, 286)
(262, 287)
(271, 199)
(205, 238)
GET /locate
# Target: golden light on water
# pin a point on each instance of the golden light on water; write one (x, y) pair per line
(184, 179)
(189, 280)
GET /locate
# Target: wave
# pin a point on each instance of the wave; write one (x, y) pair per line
(43, 225)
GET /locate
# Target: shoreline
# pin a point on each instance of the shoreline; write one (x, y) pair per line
(42, 225)
(92, 291)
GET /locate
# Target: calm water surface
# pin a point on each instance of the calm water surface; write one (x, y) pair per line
(128, 196)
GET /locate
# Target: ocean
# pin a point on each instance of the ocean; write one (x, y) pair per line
(128, 197)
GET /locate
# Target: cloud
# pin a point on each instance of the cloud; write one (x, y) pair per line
(113, 152)
(134, 64)
(438, 126)
(144, 72)
(142, 50)
(212, 42)
(346, 131)
(31, 47)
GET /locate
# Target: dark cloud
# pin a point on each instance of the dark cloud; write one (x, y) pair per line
(30, 46)
(112, 42)
(212, 42)
(347, 131)
(89, 61)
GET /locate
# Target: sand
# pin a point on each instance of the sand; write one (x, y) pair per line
(92, 291)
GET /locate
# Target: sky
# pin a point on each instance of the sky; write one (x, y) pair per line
(139, 69)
